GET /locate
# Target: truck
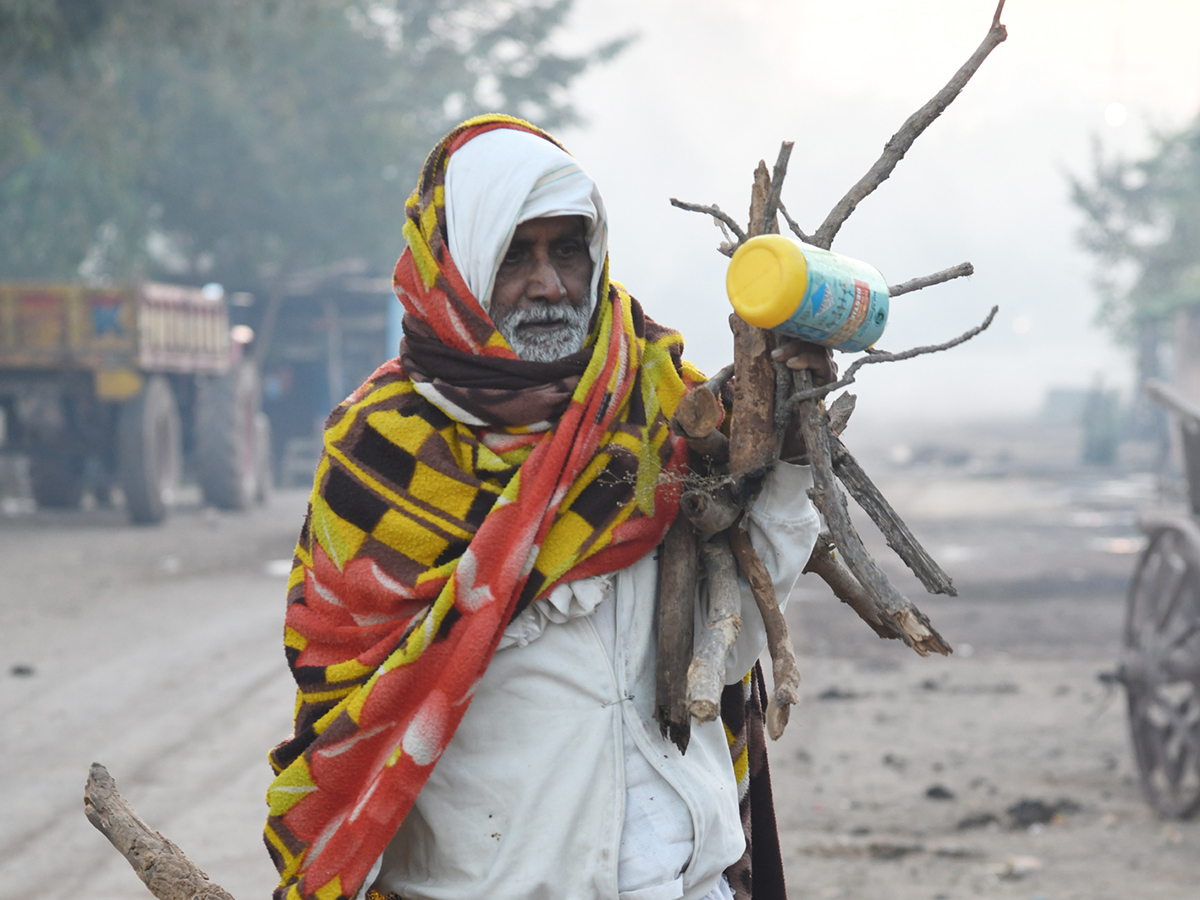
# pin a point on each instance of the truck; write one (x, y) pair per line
(127, 387)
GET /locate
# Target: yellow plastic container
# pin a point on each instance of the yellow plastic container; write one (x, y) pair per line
(803, 291)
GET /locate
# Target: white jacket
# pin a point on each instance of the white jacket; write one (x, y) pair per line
(535, 790)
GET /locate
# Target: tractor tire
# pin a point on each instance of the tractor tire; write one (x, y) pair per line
(227, 464)
(56, 476)
(149, 451)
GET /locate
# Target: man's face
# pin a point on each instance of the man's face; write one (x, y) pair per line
(540, 299)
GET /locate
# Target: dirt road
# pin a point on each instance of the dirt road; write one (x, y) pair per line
(157, 652)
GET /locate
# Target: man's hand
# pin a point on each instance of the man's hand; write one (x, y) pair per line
(803, 355)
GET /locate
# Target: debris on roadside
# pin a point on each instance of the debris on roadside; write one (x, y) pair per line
(894, 761)
(939, 792)
(1017, 867)
(1026, 812)
(882, 850)
(977, 820)
(839, 693)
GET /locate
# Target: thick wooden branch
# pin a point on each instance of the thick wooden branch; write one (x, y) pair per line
(753, 440)
(894, 529)
(714, 447)
(677, 574)
(784, 668)
(698, 413)
(890, 604)
(962, 270)
(711, 510)
(846, 588)
(162, 866)
(706, 675)
(902, 140)
(697, 418)
(879, 356)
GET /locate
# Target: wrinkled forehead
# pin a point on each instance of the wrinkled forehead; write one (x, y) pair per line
(505, 177)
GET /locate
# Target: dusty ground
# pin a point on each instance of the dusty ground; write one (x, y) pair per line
(1041, 552)
(156, 651)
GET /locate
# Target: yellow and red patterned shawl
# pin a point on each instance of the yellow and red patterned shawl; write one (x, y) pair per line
(425, 536)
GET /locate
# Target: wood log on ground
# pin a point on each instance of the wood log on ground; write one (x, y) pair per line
(710, 510)
(677, 578)
(894, 529)
(162, 866)
(706, 675)
(825, 564)
(890, 604)
(784, 667)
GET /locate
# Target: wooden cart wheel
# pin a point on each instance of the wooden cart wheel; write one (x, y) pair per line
(1161, 671)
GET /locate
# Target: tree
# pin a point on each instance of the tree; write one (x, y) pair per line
(236, 140)
(1142, 222)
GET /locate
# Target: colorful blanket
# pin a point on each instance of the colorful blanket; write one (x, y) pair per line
(439, 511)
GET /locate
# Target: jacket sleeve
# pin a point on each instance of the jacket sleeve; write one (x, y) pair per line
(783, 529)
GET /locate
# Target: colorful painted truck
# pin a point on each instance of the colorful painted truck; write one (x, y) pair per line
(126, 387)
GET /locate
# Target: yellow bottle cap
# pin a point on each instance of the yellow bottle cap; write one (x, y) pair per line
(766, 279)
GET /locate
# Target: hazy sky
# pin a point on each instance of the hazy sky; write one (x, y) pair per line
(712, 86)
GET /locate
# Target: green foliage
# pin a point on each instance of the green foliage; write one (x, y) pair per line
(1143, 225)
(234, 140)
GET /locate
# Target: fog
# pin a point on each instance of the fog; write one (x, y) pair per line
(712, 86)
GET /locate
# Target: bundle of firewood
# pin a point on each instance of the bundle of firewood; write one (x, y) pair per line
(709, 540)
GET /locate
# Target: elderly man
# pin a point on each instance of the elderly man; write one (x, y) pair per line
(471, 612)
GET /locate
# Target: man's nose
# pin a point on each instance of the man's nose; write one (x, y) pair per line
(544, 283)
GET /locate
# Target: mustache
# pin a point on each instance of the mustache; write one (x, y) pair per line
(547, 346)
(548, 314)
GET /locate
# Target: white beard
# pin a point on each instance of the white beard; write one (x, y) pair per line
(546, 346)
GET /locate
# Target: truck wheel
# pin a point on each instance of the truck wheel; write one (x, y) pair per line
(226, 431)
(148, 451)
(56, 477)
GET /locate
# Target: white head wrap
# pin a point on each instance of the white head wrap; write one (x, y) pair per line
(505, 177)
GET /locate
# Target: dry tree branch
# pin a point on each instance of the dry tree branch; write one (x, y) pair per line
(162, 866)
(916, 284)
(845, 586)
(677, 577)
(902, 140)
(792, 224)
(716, 212)
(894, 529)
(777, 175)
(889, 604)
(783, 655)
(706, 674)
(879, 356)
